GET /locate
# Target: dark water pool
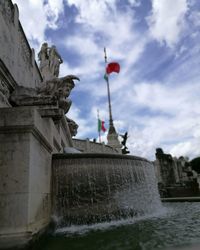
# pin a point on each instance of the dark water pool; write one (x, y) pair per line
(177, 226)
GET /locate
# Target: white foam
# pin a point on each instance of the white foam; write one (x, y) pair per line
(83, 229)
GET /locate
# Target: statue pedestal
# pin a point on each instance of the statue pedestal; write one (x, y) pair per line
(112, 138)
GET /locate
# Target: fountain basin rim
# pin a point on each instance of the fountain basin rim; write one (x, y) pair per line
(97, 155)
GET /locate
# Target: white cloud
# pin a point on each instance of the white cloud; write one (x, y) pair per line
(172, 122)
(195, 18)
(52, 11)
(90, 54)
(135, 3)
(83, 129)
(37, 17)
(103, 25)
(102, 18)
(33, 29)
(92, 12)
(187, 148)
(175, 107)
(170, 99)
(175, 135)
(166, 22)
(156, 114)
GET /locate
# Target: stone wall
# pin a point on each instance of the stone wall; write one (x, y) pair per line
(175, 176)
(28, 138)
(17, 59)
(87, 146)
(167, 168)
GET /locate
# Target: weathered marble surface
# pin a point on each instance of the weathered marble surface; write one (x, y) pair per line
(28, 137)
(55, 91)
(59, 89)
(19, 71)
(15, 51)
(50, 61)
(73, 127)
(33, 126)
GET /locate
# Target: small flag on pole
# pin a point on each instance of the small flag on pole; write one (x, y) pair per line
(112, 67)
(106, 77)
(101, 126)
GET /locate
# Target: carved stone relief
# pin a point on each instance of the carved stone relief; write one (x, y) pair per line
(60, 89)
(25, 50)
(73, 127)
(7, 10)
(4, 88)
(4, 93)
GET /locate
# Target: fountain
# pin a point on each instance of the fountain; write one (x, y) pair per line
(79, 188)
(93, 188)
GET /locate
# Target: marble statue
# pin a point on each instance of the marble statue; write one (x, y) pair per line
(50, 61)
(53, 89)
(54, 61)
(52, 85)
(43, 57)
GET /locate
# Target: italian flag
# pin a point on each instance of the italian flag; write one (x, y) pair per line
(101, 126)
(112, 67)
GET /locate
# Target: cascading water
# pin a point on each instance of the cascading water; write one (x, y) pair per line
(92, 188)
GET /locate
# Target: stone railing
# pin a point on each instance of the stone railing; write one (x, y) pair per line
(87, 146)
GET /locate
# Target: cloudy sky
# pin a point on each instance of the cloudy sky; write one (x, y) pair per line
(156, 96)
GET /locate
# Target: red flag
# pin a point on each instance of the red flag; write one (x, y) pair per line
(113, 67)
(102, 126)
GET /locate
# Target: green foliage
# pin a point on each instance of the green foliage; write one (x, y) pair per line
(195, 163)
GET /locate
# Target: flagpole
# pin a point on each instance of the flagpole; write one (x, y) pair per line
(109, 99)
(112, 136)
(98, 125)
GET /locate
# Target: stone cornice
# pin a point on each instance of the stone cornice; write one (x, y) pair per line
(98, 156)
(7, 77)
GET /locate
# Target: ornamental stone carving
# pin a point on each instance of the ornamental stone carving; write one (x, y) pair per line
(4, 89)
(4, 94)
(53, 91)
(52, 85)
(23, 96)
(60, 89)
(73, 126)
(7, 10)
(25, 49)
